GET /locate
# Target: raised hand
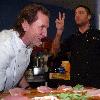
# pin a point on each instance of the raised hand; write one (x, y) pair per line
(60, 27)
(60, 21)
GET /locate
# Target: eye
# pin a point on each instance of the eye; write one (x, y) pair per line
(41, 27)
(81, 12)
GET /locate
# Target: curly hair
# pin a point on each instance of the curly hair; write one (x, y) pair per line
(29, 13)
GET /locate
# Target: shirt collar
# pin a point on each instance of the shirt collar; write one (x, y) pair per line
(86, 32)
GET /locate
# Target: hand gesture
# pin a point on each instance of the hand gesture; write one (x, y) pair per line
(60, 21)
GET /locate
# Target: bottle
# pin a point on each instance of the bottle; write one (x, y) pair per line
(51, 72)
(56, 72)
(52, 77)
(29, 75)
(66, 66)
(37, 70)
(65, 63)
(59, 70)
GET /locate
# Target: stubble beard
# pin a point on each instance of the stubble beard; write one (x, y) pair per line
(79, 25)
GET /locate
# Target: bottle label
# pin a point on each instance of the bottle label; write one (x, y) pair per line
(59, 76)
(29, 75)
(66, 65)
(67, 76)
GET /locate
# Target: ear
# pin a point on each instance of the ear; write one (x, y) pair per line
(25, 25)
(89, 17)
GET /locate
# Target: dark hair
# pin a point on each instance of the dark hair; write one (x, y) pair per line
(85, 7)
(29, 13)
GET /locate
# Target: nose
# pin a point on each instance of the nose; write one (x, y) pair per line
(45, 32)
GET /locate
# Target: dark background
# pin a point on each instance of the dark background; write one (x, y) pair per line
(9, 9)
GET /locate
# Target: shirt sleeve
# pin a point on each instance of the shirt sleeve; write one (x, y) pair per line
(4, 63)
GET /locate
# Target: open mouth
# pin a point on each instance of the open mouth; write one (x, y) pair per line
(43, 39)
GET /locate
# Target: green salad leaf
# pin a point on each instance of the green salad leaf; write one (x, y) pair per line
(78, 87)
(70, 96)
(73, 96)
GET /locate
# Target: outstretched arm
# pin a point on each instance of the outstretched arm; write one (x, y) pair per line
(60, 27)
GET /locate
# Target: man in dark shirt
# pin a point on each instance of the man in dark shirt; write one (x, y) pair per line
(84, 46)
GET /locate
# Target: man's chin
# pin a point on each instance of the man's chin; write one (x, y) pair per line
(34, 45)
(79, 25)
(39, 44)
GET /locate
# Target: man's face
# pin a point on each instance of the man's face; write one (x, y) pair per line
(37, 30)
(81, 16)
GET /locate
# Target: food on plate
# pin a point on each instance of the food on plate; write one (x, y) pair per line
(16, 98)
(44, 89)
(95, 92)
(71, 96)
(63, 92)
(78, 87)
(18, 91)
(65, 88)
(62, 88)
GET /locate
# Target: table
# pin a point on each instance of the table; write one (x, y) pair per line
(34, 92)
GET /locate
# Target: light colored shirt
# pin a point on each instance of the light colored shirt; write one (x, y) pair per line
(14, 59)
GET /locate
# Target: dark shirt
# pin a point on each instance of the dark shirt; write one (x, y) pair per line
(85, 57)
